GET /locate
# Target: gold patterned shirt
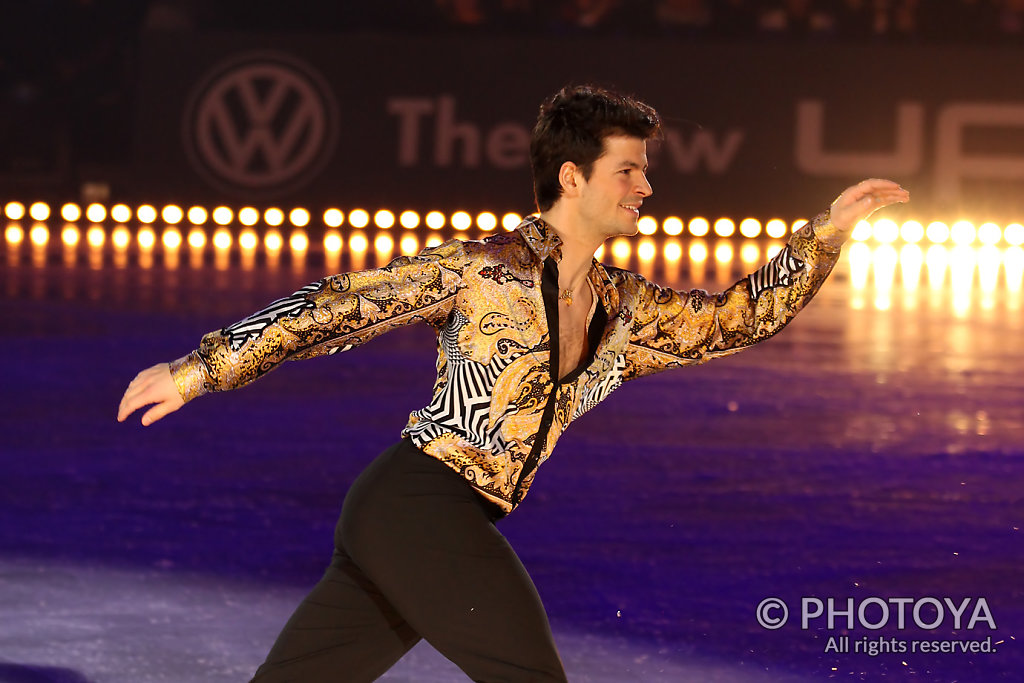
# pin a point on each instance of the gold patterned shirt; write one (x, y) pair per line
(498, 406)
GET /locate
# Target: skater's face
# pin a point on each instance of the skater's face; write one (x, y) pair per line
(610, 198)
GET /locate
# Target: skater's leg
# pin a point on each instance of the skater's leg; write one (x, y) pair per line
(344, 630)
(427, 541)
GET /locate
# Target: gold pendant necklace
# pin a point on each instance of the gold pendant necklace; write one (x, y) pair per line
(566, 296)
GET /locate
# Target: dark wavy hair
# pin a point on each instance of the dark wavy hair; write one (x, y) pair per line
(572, 126)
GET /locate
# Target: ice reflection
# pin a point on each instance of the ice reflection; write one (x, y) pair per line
(958, 278)
(964, 280)
(884, 266)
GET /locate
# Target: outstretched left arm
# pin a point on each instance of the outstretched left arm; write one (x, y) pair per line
(674, 328)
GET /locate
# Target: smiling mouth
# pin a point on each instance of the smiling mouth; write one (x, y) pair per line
(634, 209)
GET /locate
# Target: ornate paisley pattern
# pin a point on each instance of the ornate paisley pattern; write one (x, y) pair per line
(494, 377)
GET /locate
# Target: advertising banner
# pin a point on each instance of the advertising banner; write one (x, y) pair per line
(424, 123)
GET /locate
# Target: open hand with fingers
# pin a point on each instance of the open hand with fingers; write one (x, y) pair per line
(151, 386)
(861, 200)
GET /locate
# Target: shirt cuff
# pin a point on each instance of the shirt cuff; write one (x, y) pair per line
(190, 376)
(829, 236)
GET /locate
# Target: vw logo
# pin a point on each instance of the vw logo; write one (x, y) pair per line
(262, 124)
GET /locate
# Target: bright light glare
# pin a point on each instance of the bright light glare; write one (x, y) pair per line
(698, 252)
(409, 220)
(911, 259)
(15, 211)
(14, 234)
(487, 221)
(222, 239)
(935, 260)
(197, 215)
(39, 211)
(699, 227)
(172, 214)
(71, 212)
(248, 240)
(333, 218)
(358, 243)
(409, 245)
(171, 238)
(273, 216)
(298, 241)
(121, 237)
(70, 235)
(120, 213)
(646, 251)
(937, 232)
(912, 232)
(989, 233)
(775, 228)
(96, 213)
(358, 218)
(510, 221)
(962, 233)
(620, 249)
(222, 215)
(145, 213)
(750, 253)
(273, 241)
(861, 232)
(146, 238)
(860, 264)
(723, 252)
(196, 238)
(673, 251)
(672, 226)
(95, 236)
(750, 227)
(461, 220)
(435, 220)
(886, 231)
(299, 217)
(384, 219)
(332, 242)
(1014, 234)
(647, 225)
(39, 235)
(383, 243)
(248, 216)
(725, 227)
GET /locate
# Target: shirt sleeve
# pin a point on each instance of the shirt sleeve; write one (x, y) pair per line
(672, 328)
(334, 314)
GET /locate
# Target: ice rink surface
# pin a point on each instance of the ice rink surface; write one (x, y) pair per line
(873, 450)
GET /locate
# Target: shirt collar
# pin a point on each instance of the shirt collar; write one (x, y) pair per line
(604, 287)
(543, 241)
(541, 238)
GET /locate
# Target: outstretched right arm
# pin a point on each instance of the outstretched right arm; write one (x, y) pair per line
(332, 315)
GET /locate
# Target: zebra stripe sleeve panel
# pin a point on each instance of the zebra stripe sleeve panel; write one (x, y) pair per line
(334, 314)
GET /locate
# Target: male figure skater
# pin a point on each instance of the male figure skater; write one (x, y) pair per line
(532, 332)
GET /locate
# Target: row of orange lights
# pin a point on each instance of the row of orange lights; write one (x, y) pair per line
(250, 216)
(884, 230)
(248, 240)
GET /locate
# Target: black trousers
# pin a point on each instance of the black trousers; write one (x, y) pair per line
(416, 555)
